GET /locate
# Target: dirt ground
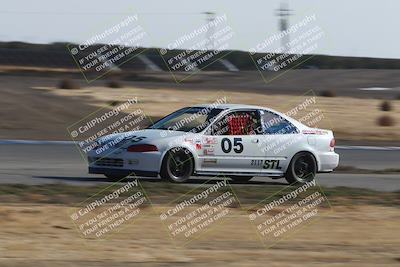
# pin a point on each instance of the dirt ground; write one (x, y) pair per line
(361, 235)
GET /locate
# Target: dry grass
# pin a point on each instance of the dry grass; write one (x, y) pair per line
(45, 235)
(350, 118)
(386, 121)
(68, 84)
(386, 106)
(37, 232)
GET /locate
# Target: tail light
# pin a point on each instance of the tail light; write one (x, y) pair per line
(142, 148)
(332, 144)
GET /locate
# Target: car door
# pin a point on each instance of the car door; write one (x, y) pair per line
(280, 141)
(231, 144)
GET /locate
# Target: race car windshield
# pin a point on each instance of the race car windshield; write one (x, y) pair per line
(190, 119)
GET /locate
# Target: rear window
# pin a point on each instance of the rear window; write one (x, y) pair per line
(274, 124)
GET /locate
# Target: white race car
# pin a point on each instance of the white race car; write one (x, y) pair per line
(231, 140)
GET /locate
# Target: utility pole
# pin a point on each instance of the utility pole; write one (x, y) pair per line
(283, 12)
(210, 17)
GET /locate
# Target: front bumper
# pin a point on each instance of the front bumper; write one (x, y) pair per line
(143, 164)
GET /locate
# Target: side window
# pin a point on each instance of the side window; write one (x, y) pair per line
(274, 124)
(238, 123)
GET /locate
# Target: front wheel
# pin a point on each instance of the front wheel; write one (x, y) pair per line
(302, 168)
(177, 166)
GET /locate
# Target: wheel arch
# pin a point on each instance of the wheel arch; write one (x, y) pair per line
(306, 151)
(164, 154)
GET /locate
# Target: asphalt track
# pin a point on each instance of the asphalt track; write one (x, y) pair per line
(36, 164)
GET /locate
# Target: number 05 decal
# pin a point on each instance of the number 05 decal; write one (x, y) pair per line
(226, 145)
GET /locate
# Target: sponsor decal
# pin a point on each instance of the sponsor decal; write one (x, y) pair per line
(266, 164)
(208, 151)
(210, 140)
(272, 164)
(257, 162)
(209, 161)
(317, 132)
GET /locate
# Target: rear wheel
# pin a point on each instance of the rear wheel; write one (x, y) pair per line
(114, 178)
(177, 166)
(302, 168)
(241, 179)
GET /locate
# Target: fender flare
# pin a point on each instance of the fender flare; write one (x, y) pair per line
(306, 151)
(163, 155)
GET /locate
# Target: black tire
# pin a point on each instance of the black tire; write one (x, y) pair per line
(177, 166)
(302, 168)
(241, 179)
(114, 178)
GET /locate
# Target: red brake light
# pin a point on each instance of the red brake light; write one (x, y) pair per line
(332, 143)
(142, 148)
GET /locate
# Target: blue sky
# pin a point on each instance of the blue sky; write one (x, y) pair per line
(351, 27)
